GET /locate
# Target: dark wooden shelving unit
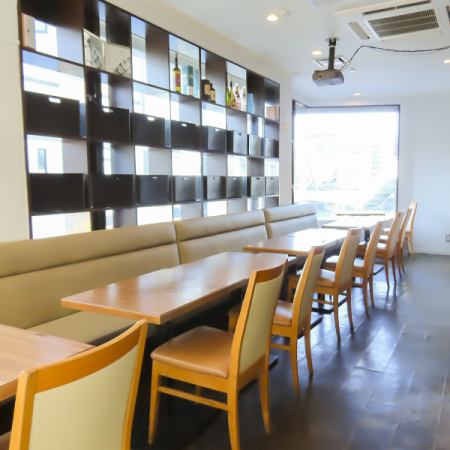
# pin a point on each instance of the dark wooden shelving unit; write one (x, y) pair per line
(103, 121)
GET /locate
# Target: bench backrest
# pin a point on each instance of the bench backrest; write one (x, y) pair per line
(36, 274)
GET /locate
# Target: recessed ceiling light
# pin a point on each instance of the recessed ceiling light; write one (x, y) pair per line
(446, 61)
(272, 18)
(317, 52)
(357, 94)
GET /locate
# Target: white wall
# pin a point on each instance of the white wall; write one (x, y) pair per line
(424, 164)
(13, 191)
(13, 196)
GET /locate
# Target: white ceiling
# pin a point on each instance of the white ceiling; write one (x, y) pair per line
(289, 42)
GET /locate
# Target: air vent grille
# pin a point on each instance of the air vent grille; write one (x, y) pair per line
(404, 23)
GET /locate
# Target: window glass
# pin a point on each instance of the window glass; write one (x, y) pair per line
(346, 158)
(60, 224)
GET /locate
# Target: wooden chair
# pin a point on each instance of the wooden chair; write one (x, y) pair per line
(388, 250)
(214, 359)
(337, 282)
(410, 228)
(293, 319)
(401, 241)
(363, 267)
(84, 402)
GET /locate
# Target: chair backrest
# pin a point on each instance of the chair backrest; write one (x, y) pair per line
(413, 206)
(371, 250)
(84, 402)
(394, 233)
(403, 227)
(303, 296)
(251, 340)
(347, 255)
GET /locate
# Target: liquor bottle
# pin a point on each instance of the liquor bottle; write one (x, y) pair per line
(176, 75)
(244, 99)
(212, 94)
(238, 97)
(228, 95)
(232, 96)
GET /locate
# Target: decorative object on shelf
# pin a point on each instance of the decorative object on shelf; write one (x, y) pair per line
(118, 59)
(212, 95)
(28, 31)
(206, 90)
(244, 99)
(187, 78)
(176, 72)
(94, 50)
(237, 103)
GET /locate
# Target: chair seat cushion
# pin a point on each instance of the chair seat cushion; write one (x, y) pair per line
(331, 264)
(381, 248)
(283, 313)
(4, 441)
(203, 349)
(84, 326)
(326, 278)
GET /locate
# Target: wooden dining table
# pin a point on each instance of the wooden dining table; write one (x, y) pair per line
(163, 295)
(24, 350)
(298, 243)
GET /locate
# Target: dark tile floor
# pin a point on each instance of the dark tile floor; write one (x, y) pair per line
(387, 387)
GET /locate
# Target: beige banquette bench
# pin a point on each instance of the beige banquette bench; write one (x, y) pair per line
(282, 220)
(36, 274)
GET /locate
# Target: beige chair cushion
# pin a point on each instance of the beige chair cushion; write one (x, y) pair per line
(283, 313)
(203, 349)
(326, 278)
(4, 441)
(84, 326)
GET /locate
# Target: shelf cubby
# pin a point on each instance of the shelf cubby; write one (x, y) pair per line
(270, 148)
(187, 188)
(272, 100)
(154, 190)
(214, 164)
(214, 208)
(256, 92)
(187, 211)
(237, 205)
(56, 192)
(150, 50)
(272, 186)
(214, 68)
(214, 187)
(237, 142)
(49, 154)
(255, 203)
(111, 191)
(213, 115)
(189, 64)
(213, 139)
(270, 202)
(153, 161)
(154, 214)
(237, 75)
(107, 38)
(255, 146)
(236, 186)
(256, 186)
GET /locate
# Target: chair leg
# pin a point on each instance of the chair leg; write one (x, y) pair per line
(372, 297)
(386, 271)
(349, 308)
(233, 420)
(402, 258)
(365, 295)
(294, 365)
(393, 268)
(336, 316)
(264, 396)
(154, 403)
(307, 339)
(399, 263)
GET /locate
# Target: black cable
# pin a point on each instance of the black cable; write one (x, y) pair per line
(393, 50)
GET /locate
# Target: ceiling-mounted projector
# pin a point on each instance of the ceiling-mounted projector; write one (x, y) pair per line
(330, 76)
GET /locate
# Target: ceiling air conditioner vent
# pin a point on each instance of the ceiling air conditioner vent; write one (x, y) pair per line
(404, 23)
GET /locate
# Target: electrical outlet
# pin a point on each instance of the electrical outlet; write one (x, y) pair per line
(447, 238)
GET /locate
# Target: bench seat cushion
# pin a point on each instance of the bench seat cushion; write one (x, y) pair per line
(281, 220)
(84, 326)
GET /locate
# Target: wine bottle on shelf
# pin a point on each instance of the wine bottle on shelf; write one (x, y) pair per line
(244, 99)
(212, 94)
(232, 96)
(176, 75)
(237, 104)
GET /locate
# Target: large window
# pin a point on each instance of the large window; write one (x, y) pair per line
(345, 159)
